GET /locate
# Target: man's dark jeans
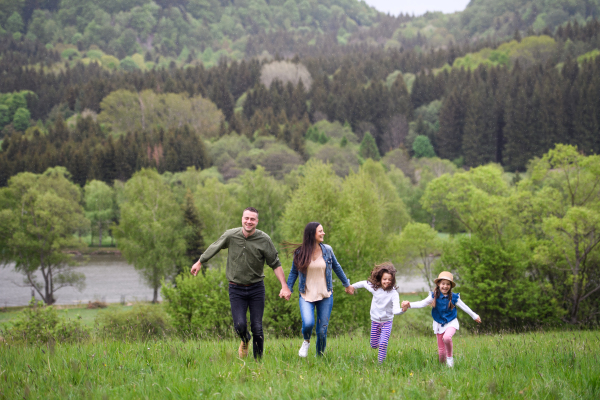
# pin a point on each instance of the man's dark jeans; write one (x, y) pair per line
(243, 298)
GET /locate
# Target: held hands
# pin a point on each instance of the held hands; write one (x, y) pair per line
(349, 289)
(195, 268)
(285, 293)
(405, 305)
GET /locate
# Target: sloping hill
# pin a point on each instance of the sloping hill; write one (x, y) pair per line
(182, 30)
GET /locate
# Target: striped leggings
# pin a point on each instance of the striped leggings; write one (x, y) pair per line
(380, 335)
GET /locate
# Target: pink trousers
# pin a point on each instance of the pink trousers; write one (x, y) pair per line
(444, 341)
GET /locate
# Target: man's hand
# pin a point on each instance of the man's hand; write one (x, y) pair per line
(195, 268)
(285, 293)
(349, 289)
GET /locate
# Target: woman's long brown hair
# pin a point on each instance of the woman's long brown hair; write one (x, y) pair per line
(303, 252)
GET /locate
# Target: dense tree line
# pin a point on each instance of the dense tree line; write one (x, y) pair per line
(507, 113)
(509, 117)
(90, 153)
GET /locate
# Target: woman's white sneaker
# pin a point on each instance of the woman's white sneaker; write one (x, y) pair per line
(304, 349)
(450, 362)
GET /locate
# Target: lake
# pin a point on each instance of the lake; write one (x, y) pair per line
(110, 279)
(107, 277)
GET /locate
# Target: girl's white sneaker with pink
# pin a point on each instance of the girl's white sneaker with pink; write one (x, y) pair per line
(450, 362)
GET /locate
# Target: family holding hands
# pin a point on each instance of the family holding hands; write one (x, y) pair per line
(313, 266)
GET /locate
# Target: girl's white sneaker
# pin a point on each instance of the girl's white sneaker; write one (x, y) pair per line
(450, 362)
(304, 349)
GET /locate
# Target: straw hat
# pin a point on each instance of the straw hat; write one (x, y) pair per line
(447, 276)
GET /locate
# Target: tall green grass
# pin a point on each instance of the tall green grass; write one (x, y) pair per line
(538, 365)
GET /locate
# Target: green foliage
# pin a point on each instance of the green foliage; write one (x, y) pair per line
(4, 116)
(422, 147)
(589, 56)
(127, 64)
(494, 282)
(194, 240)
(218, 208)
(314, 134)
(39, 215)
(418, 247)
(142, 322)
(151, 233)
(14, 23)
(530, 50)
(268, 196)
(100, 206)
(368, 147)
(41, 324)
(21, 119)
(199, 306)
(126, 111)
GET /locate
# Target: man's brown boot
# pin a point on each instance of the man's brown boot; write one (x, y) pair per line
(243, 350)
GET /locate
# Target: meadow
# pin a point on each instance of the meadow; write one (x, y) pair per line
(536, 365)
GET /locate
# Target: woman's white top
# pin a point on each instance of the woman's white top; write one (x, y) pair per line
(437, 327)
(384, 304)
(316, 283)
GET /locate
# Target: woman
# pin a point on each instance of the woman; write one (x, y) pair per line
(313, 262)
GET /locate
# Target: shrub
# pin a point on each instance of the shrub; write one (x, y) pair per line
(142, 322)
(199, 305)
(41, 324)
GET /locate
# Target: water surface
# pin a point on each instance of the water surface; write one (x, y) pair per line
(107, 277)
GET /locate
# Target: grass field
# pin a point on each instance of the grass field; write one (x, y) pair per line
(552, 365)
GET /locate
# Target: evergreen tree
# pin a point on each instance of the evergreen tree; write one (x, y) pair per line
(368, 148)
(422, 147)
(449, 137)
(193, 236)
(479, 140)
(518, 146)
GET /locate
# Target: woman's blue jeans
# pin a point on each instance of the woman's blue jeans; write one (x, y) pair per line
(307, 312)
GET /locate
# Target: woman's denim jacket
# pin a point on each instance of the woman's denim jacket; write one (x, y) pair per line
(331, 264)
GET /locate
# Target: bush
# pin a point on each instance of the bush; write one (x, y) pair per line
(199, 305)
(494, 282)
(41, 324)
(142, 322)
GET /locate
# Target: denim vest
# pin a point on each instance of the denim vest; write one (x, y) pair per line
(331, 263)
(441, 313)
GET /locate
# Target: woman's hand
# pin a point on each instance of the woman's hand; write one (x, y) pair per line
(478, 319)
(349, 289)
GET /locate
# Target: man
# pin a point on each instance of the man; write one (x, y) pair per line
(249, 249)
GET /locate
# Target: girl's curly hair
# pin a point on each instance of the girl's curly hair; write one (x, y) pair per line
(377, 274)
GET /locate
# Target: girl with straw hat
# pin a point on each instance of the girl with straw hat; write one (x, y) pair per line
(445, 321)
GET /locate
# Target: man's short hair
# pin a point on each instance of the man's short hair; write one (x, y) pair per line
(252, 209)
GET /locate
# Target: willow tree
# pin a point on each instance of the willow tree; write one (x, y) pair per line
(151, 233)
